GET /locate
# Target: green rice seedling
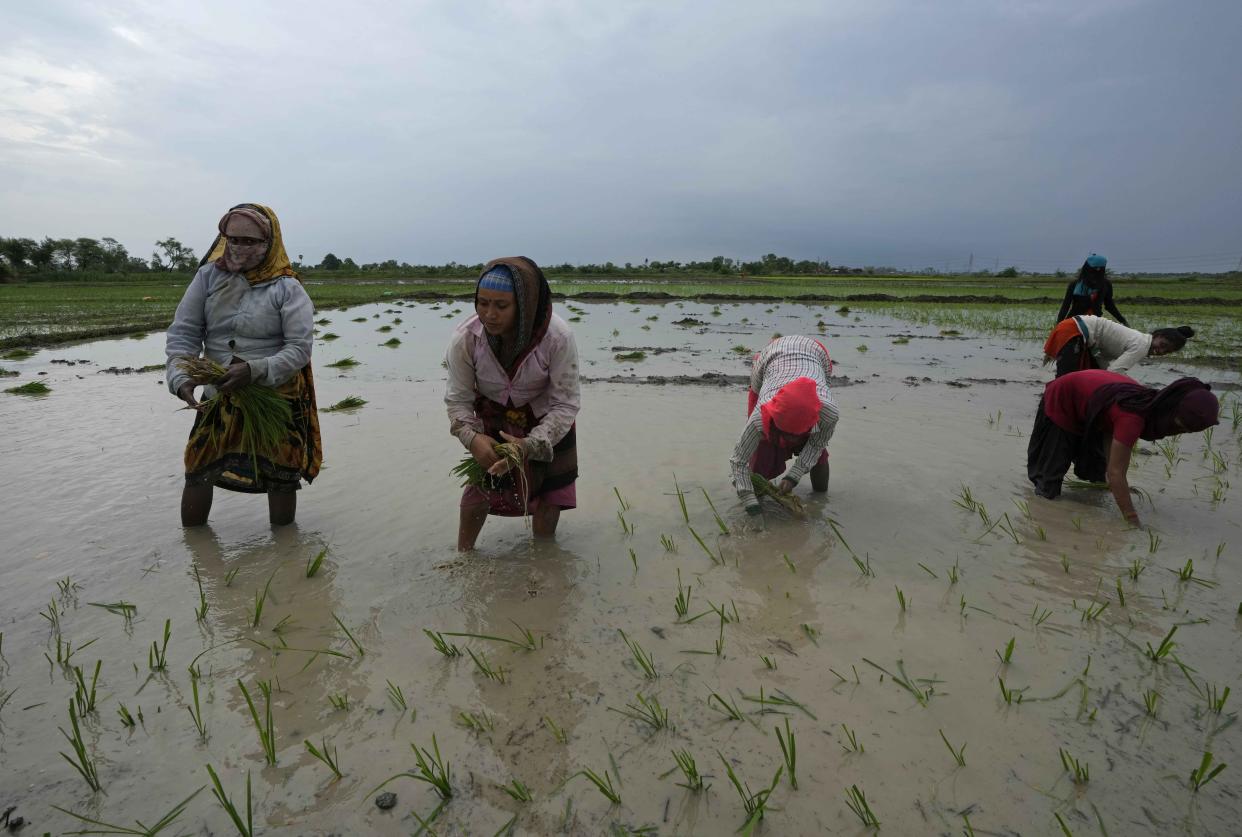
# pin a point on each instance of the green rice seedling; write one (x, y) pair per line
(768, 662)
(357, 645)
(836, 530)
(348, 403)
(1220, 547)
(142, 829)
(323, 321)
(485, 668)
(965, 499)
(81, 760)
(1093, 610)
(959, 754)
(1077, 521)
(668, 543)
(265, 727)
(83, 695)
(517, 790)
(1007, 657)
(384, 329)
(1153, 541)
(1024, 507)
(1064, 828)
(681, 499)
(1006, 526)
(764, 488)
(314, 563)
(67, 586)
(726, 706)
(1041, 533)
(644, 660)
(754, 803)
(478, 723)
(31, 388)
(396, 696)
(682, 603)
(635, 355)
(229, 576)
(200, 612)
(1165, 647)
(526, 638)
(811, 633)
(442, 645)
(921, 694)
(391, 343)
(778, 698)
(1007, 694)
(927, 570)
(18, 354)
(862, 347)
(854, 747)
(1039, 616)
(260, 599)
(339, 701)
(901, 341)
(52, 615)
(864, 567)
(196, 711)
(621, 500)
(329, 336)
(1204, 773)
(1215, 699)
(157, 656)
(953, 573)
(1121, 594)
(1150, 698)
(857, 802)
(792, 568)
(127, 720)
(1065, 563)
(65, 650)
(789, 752)
(557, 732)
(603, 784)
(647, 711)
(634, 559)
(244, 825)
(325, 754)
(1080, 771)
(724, 530)
(901, 598)
(689, 771)
(715, 559)
(358, 320)
(344, 363)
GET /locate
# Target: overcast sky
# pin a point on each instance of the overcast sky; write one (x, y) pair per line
(860, 131)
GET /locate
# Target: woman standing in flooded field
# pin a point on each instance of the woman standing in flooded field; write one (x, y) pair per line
(1091, 293)
(1087, 342)
(246, 310)
(790, 413)
(1092, 420)
(513, 379)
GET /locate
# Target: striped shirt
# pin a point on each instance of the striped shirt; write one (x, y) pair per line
(785, 359)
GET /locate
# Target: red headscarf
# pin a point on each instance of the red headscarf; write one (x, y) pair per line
(794, 409)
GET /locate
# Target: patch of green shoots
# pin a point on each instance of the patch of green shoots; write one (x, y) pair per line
(442, 645)
(478, 723)
(1080, 771)
(31, 388)
(647, 711)
(727, 706)
(1007, 694)
(83, 695)
(314, 563)
(127, 720)
(768, 662)
(754, 803)
(789, 752)
(244, 826)
(348, 403)
(689, 771)
(667, 543)
(715, 559)
(344, 363)
(391, 343)
(265, 727)
(325, 754)
(81, 760)
(396, 696)
(850, 736)
(485, 668)
(1165, 647)
(518, 791)
(260, 599)
(724, 530)
(857, 802)
(682, 603)
(157, 656)
(602, 783)
(1150, 699)
(901, 598)
(557, 732)
(635, 355)
(1008, 655)
(1204, 773)
(644, 660)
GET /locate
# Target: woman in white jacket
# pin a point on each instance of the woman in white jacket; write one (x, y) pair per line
(1088, 342)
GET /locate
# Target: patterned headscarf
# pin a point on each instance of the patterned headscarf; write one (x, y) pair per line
(276, 261)
(533, 298)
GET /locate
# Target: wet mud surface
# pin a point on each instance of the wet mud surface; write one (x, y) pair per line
(802, 622)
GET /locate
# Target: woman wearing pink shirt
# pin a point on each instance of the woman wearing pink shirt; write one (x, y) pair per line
(513, 377)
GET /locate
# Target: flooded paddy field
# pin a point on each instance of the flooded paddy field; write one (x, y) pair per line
(934, 638)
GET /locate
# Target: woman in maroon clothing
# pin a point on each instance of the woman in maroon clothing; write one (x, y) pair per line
(1092, 419)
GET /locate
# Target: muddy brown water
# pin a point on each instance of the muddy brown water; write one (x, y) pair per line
(92, 473)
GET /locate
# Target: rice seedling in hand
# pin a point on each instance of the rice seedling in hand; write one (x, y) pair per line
(518, 791)
(141, 828)
(244, 825)
(851, 737)
(1204, 773)
(603, 784)
(157, 656)
(442, 645)
(1165, 647)
(959, 754)
(857, 802)
(265, 727)
(689, 771)
(644, 660)
(789, 752)
(81, 760)
(357, 645)
(764, 488)
(753, 802)
(31, 388)
(196, 711)
(1080, 771)
(325, 754)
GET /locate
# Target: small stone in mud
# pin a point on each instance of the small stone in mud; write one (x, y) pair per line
(385, 800)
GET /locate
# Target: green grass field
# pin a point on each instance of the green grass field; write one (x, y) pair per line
(41, 313)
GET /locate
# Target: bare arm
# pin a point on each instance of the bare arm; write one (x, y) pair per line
(1111, 307)
(1118, 464)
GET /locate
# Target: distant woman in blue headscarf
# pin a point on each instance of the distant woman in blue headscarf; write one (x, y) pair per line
(1091, 293)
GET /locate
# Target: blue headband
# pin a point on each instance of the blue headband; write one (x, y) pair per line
(1096, 260)
(499, 278)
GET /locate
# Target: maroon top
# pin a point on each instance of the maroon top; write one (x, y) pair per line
(1065, 403)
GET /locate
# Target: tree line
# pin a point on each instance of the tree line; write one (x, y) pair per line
(87, 255)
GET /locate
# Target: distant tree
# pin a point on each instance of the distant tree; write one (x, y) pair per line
(87, 254)
(115, 256)
(1008, 273)
(18, 252)
(330, 262)
(176, 256)
(43, 254)
(1060, 274)
(348, 264)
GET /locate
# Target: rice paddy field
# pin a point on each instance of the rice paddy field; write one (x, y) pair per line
(933, 651)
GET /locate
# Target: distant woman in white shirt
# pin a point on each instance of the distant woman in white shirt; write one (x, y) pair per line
(1088, 342)
(513, 377)
(246, 310)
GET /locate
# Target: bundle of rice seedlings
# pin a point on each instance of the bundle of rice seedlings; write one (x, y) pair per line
(764, 488)
(265, 413)
(351, 402)
(32, 388)
(472, 473)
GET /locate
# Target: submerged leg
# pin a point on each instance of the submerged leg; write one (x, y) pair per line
(544, 521)
(819, 477)
(282, 507)
(471, 523)
(195, 504)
